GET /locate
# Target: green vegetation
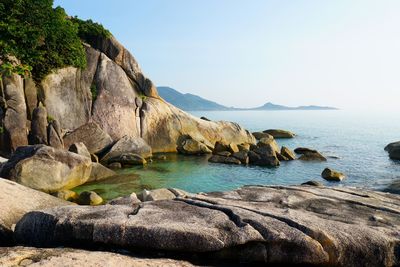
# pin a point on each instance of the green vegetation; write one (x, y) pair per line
(93, 90)
(43, 38)
(49, 119)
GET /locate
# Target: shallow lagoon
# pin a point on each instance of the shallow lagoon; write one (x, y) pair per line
(353, 143)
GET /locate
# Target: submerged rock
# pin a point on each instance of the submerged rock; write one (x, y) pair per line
(277, 133)
(254, 224)
(332, 175)
(313, 183)
(266, 156)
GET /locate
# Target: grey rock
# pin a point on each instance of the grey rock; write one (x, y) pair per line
(260, 135)
(312, 156)
(277, 133)
(39, 126)
(95, 139)
(391, 146)
(54, 135)
(189, 146)
(281, 157)
(15, 201)
(128, 200)
(50, 257)
(30, 96)
(80, 149)
(99, 172)
(242, 156)
(313, 183)
(267, 156)
(128, 159)
(115, 165)
(224, 160)
(276, 224)
(224, 153)
(156, 195)
(127, 145)
(303, 150)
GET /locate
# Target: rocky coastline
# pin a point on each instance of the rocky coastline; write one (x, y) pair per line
(78, 125)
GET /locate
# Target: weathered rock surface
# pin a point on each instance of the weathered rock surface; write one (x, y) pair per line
(47, 169)
(163, 124)
(127, 200)
(286, 152)
(15, 201)
(99, 172)
(30, 96)
(155, 195)
(332, 175)
(39, 126)
(80, 149)
(15, 119)
(126, 145)
(394, 150)
(276, 224)
(188, 146)
(277, 133)
(94, 138)
(50, 257)
(54, 135)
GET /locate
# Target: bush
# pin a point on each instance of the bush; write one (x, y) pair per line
(39, 36)
(89, 30)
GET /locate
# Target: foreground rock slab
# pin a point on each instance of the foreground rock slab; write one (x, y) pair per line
(26, 256)
(295, 225)
(15, 201)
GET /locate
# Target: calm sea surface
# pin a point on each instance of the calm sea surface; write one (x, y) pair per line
(353, 143)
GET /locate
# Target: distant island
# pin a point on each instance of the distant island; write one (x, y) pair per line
(190, 102)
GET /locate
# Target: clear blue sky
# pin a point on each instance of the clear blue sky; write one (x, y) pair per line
(343, 53)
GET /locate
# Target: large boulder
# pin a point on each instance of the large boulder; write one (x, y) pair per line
(163, 124)
(332, 175)
(95, 139)
(126, 145)
(47, 169)
(50, 257)
(277, 133)
(15, 117)
(267, 156)
(303, 225)
(15, 201)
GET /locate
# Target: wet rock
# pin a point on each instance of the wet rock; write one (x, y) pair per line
(260, 135)
(276, 133)
(242, 156)
(62, 169)
(89, 198)
(286, 152)
(280, 157)
(313, 183)
(188, 146)
(128, 159)
(391, 146)
(224, 160)
(332, 175)
(95, 139)
(283, 225)
(312, 156)
(67, 195)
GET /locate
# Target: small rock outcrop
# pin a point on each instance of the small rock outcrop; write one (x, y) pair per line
(128, 159)
(332, 175)
(304, 225)
(286, 152)
(126, 145)
(224, 160)
(15, 201)
(189, 146)
(394, 150)
(89, 198)
(308, 154)
(277, 133)
(47, 169)
(260, 135)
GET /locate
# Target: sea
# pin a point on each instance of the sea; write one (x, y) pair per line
(353, 143)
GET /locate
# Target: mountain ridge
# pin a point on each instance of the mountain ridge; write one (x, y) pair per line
(191, 102)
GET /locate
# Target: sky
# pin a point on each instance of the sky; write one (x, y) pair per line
(342, 53)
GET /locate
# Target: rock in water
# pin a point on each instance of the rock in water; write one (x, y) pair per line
(89, 198)
(255, 224)
(391, 146)
(47, 169)
(126, 145)
(311, 156)
(242, 156)
(394, 150)
(286, 152)
(15, 201)
(276, 133)
(332, 175)
(303, 150)
(224, 160)
(313, 183)
(266, 156)
(99, 172)
(268, 142)
(187, 145)
(95, 139)
(260, 135)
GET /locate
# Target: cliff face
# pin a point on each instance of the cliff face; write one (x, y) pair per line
(112, 92)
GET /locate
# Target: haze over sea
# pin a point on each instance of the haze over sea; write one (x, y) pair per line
(353, 142)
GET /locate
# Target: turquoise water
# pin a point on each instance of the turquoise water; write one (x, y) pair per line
(353, 143)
